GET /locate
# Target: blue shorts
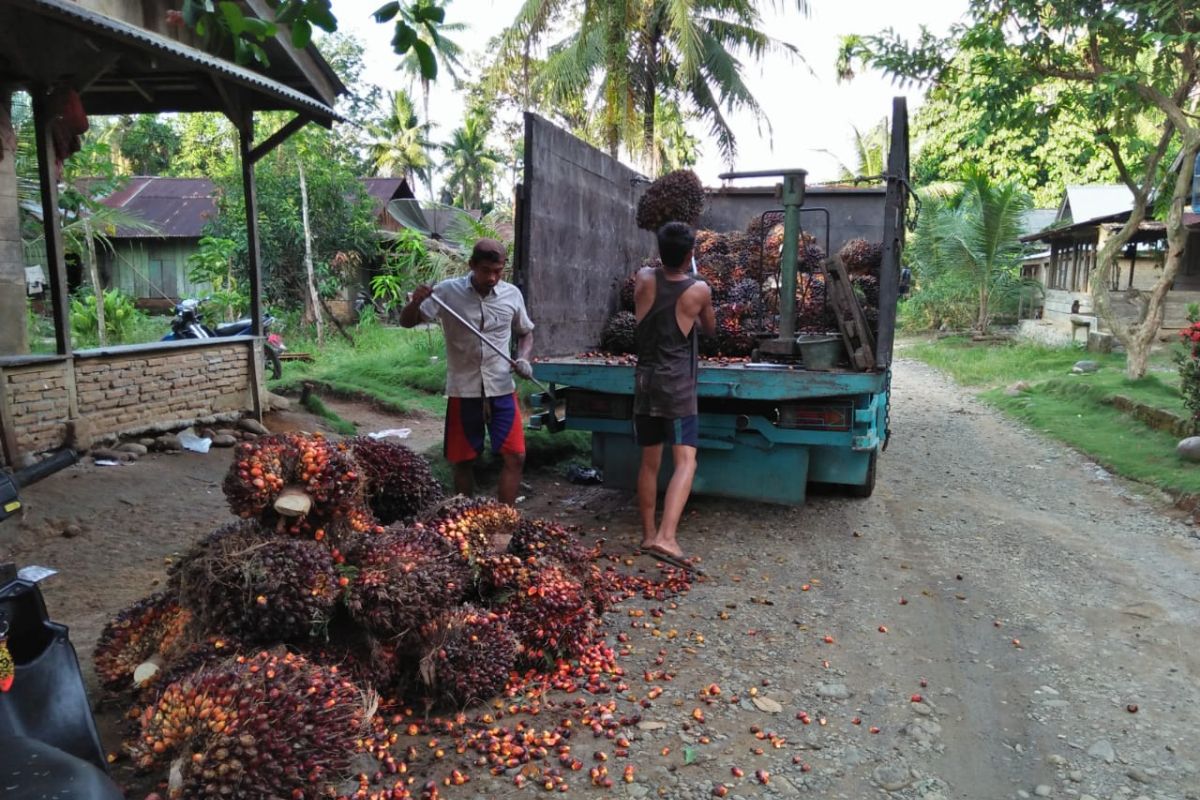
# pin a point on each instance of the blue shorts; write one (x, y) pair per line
(649, 431)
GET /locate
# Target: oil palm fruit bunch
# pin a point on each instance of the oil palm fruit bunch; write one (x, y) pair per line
(732, 339)
(746, 259)
(626, 294)
(552, 616)
(151, 628)
(675, 197)
(747, 296)
(618, 335)
(541, 538)
(859, 255)
(813, 312)
(402, 578)
(399, 482)
(810, 255)
(254, 728)
(194, 655)
(498, 575)
(866, 286)
(300, 484)
(260, 588)
(467, 654)
(474, 525)
(709, 244)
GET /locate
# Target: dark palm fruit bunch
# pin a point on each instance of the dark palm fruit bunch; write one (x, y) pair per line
(867, 288)
(467, 655)
(399, 482)
(626, 293)
(675, 197)
(324, 471)
(733, 339)
(618, 335)
(747, 296)
(545, 539)
(810, 255)
(710, 243)
(403, 578)
(260, 588)
(254, 728)
(196, 655)
(152, 627)
(859, 255)
(813, 313)
(552, 616)
(498, 575)
(474, 525)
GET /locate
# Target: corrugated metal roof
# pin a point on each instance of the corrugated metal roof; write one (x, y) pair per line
(1086, 203)
(1037, 219)
(180, 81)
(385, 190)
(175, 207)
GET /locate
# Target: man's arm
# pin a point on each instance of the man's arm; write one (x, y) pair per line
(525, 346)
(410, 315)
(708, 315)
(643, 292)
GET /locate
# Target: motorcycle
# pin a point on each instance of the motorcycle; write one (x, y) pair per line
(188, 324)
(49, 745)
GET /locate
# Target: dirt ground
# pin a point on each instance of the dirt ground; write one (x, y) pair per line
(1002, 619)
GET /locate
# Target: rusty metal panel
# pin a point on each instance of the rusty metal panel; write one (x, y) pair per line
(578, 237)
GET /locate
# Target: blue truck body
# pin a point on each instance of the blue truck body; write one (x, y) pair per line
(767, 431)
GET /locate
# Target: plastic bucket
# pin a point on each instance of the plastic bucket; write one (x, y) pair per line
(820, 352)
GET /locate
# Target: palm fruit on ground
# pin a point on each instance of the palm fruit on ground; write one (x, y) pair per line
(859, 255)
(619, 332)
(474, 525)
(675, 197)
(322, 470)
(244, 582)
(552, 617)
(150, 628)
(402, 578)
(467, 655)
(254, 728)
(399, 482)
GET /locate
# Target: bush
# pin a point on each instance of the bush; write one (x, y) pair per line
(122, 319)
(1188, 361)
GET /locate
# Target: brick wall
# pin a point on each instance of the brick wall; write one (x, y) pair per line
(156, 389)
(38, 402)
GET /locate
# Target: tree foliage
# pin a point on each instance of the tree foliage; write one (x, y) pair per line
(1110, 65)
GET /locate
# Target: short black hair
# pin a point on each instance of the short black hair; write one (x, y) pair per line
(675, 241)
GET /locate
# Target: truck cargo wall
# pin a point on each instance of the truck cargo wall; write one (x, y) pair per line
(577, 237)
(853, 213)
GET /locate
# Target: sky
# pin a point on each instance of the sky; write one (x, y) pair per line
(809, 111)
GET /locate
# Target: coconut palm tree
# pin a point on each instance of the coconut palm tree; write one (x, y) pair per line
(971, 240)
(471, 163)
(399, 145)
(636, 53)
(870, 152)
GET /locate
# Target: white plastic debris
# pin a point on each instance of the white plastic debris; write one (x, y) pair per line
(399, 433)
(190, 441)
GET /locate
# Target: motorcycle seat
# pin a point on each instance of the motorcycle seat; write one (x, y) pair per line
(235, 328)
(33, 770)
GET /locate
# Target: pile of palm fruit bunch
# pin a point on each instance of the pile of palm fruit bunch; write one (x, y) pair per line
(258, 671)
(862, 260)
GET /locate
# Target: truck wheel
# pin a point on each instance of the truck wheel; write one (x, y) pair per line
(867, 488)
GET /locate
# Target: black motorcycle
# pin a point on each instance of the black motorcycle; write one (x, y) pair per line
(49, 746)
(188, 324)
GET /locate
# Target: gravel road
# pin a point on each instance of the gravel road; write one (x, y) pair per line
(1014, 622)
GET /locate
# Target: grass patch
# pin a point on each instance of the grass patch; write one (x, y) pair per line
(316, 406)
(989, 364)
(1113, 439)
(401, 370)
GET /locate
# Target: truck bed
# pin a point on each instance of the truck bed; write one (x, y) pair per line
(731, 381)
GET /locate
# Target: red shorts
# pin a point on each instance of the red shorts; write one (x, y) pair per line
(468, 417)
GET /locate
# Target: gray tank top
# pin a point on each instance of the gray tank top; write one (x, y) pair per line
(665, 377)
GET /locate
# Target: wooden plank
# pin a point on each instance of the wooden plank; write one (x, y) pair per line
(856, 333)
(8, 431)
(895, 206)
(253, 251)
(56, 264)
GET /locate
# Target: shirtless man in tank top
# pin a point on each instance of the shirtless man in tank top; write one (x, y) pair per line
(669, 303)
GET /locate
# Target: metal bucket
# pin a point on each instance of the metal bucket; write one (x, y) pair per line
(820, 352)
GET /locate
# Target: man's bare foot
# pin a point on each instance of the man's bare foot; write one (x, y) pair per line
(670, 548)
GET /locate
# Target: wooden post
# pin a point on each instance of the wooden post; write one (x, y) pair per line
(313, 296)
(253, 251)
(51, 224)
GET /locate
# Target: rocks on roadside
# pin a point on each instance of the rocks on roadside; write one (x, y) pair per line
(137, 448)
(834, 691)
(1085, 367)
(253, 426)
(1103, 750)
(223, 440)
(168, 443)
(891, 777)
(1042, 790)
(111, 454)
(1189, 449)
(1017, 389)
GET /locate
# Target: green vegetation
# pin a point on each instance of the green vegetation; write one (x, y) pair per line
(317, 406)
(1077, 409)
(401, 370)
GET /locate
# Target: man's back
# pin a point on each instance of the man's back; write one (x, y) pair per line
(667, 307)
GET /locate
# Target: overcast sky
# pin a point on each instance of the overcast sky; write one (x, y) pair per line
(808, 109)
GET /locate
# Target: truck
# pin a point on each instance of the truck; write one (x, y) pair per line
(770, 427)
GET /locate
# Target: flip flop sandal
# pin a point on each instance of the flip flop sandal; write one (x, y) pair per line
(680, 563)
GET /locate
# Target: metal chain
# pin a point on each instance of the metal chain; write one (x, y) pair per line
(887, 411)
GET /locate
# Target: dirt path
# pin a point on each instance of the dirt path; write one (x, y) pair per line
(987, 532)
